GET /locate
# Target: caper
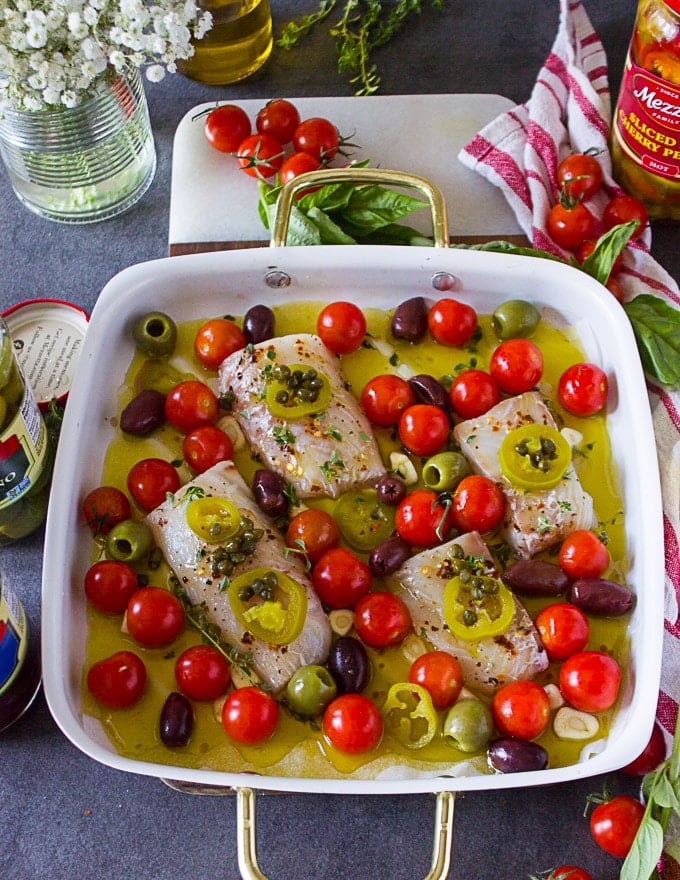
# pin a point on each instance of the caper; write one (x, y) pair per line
(128, 541)
(468, 725)
(155, 334)
(515, 317)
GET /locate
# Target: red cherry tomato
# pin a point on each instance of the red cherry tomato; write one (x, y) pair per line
(217, 339)
(615, 823)
(615, 288)
(117, 681)
(226, 127)
(381, 619)
(341, 326)
(516, 365)
(109, 585)
(384, 398)
(422, 519)
(568, 872)
(202, 672)
(472, 393)
(150, 480)
(311, 532)
(191, 404)
(579, 176)
(318, 137)
(587, 248)
(583, 555)
(206, 446)
(260, 155)
(279, 118)
(623, 209)
(340, 579)
(250, 715)
(564, 630)
(451, 322)
(650, 757)
(352, 724)
(521, 708)
(297, 164)
(440, 674)
(478, 504)
(582, 389)
(570, 225)
(154, 617)
(104, 507)
(423, 428)
(589, 680)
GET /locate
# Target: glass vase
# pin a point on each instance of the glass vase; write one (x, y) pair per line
(85, 163)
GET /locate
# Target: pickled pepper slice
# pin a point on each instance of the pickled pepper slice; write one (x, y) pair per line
(410, 715)
(534, 457)
(269, 604)
(477, 606)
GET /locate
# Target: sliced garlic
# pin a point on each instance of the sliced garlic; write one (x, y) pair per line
(403, 467)
(341, 621)
(232, 429)
(240, 679)
(554, 695)
(217, 708)
(123, 625)
(383, 346)
(413, 647)
(405, 371)
(572, 436)
(467, 694)
(571, 723)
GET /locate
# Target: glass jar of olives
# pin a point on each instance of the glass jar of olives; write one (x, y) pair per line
(19, 659)
(25, 452)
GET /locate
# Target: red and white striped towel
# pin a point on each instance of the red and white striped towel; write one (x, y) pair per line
(570, 111)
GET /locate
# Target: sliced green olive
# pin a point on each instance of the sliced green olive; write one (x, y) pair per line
(363, 519)
(515, 317)
(128, 541)
(468, 725)
(295, 390)
(155, 334)
(310, 690)
(443, 472)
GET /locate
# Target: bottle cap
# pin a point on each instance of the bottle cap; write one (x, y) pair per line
(47, 335)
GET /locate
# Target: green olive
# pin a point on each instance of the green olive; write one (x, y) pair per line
(515, 317)
(468, 725)
(310, 690)
(3, 411)
(443, 472)
(128, 541)
(155, 334)
(5, 359)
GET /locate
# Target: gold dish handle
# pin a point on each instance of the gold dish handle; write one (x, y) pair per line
(380, 176)
(246, 835)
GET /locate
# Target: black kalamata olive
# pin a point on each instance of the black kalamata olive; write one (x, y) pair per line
(410, 320)
(269, 489)
(601, 597)
(144, 413)
(535, 577)
(426, 389)
(510, 754)
(258, 324)
(388, 556)
(176, 721)
(155, 334)
(390, 489)
(349, 665)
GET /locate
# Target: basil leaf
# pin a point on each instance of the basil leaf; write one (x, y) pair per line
(396, 233)
(330, 232)
(600, 263)
(506, 247)
(664, 794)
(641, 861)
(372, 207)
(656, 325)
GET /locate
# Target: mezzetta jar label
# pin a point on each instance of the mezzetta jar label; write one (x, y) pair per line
(647, 121)
(23, 452)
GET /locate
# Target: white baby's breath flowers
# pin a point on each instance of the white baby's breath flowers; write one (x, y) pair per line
(54, 52)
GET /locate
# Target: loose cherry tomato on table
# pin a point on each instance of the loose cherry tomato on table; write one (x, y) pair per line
(202, 672)
(206, 446)
(615, 823)
(381, 619)
(589, 681)
(579, 175)
(568, 872)
(582, 389)
(472, 393)
(312, 532)
(624, 209)
(191, 404)
(478, 504)
(564, 630)
(117, 681)
(150, 480)
(385, 397)
(340, 578)
(250, 715)
(569, 225)
(650, 757)
(109, 585)
(451, 322)
(352, 724)
(423, 428)
(516, 365)
(423, 518)
(341, 327)
(260, 155)
(521, 708)
(217, 339)
(154, 617)
(226, 127)
(318, 137)
(440, 674)
(104, 507)
(279, 118)
(583, 555)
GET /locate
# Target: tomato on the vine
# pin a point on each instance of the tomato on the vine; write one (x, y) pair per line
(583, 555)
(340, 578)
(279, 118)
(569, 225)
(150, 480)
(516, 365)
(473, 392)
(440, 674)
(352, 724)
(217, 339)
(564, 629)
(423, 518)
(117, 681)
(154, 617)
(297, 164)
(250, 715)
(311, 532)
(582, 389)
(226, 127)
(589, 681)
(568, 872)
(650, 757)
(318, 137)
(109, 585)
(206, 446)
(624, 209)
(384, 398)
(478, 504)
(615, 823)
(104, 507)
(202, 672)
(423, 428)
(579, 175)
(451, 322)
(260, 155)
(521, 708)
(381, 619)
(341, 326)
(191, 404)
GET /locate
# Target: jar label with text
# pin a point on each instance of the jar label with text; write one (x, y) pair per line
(12, 637)
(647, 121)
(23, 452)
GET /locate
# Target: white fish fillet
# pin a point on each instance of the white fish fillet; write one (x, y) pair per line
(487, 663)
(325, 454)
(187, 555)
(533, 520)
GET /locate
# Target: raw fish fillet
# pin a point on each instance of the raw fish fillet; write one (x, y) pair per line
(533, 520)
(486, 663)
(187, 555)
(325, 454)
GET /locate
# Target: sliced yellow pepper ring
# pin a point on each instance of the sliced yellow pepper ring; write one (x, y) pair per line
(477, 606)
(410, 715)
(213, 518)
(295, 390)
(534, 457)
(363, 520)
(269, 604)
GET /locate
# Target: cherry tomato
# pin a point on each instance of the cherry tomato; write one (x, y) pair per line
(297, 164)
(352, 724)
(341, 326)
(109, 585)
(563, 628)
(589, 680)
(516, 365)
(587, 248)
(191, 404)
(478, 504)
(318, 137)
(384, 398)
(117, 681)
(615, 823)
(582, 389)
(623, 209)
(104, 507)
(340, 578)
(226, 127)
(154, 617)
(583, 555)
(279, 118)
(423, 428)
(150, 480)
(615, 288)
(250, 715)
(202, 672)
(206, 446)
(568, 872)
(312, 532)
(216, 340)
(422, 519)
(570, 225)
(451, 322)
(381, 619)
(650, 757)
(472, 393)
(440, 674)
(579, 175)
(260, 155)
(521, 708)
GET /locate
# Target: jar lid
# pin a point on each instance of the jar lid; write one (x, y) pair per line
(48, 335)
